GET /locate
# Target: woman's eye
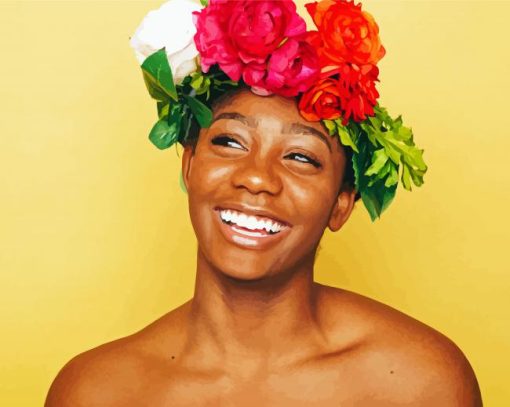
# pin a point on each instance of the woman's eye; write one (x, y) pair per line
(305, 159)
(226, 141)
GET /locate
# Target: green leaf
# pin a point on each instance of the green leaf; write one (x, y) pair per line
(154, 89)
(357, 166)
(376, 122)
(384, 146)
(414, 158)
(383, 140)
(203, 3)
(387, 197)
(377, 199)
(166, 131)
(331, 126)
(162, 135)
(186, 122)
(229, 82)
(379, 159)
(406, 177)
(376, 196)
(201, 112)
(200, 82)
(404, 133)
(385, 170)
(197, 81)
(370, 201)
(158, 76)
(417, 177)
(163, 109)
(392, 178)
(345, 135)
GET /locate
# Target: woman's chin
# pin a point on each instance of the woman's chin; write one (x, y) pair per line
(247, 272)
(245, 278)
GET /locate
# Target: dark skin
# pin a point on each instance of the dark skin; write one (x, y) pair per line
(259, 331)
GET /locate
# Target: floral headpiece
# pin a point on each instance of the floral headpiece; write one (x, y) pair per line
(192, 53)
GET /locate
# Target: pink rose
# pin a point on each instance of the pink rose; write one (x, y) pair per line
(253, 75)
(292, 68)
(212, 40)
(241, 35)
(257, 28)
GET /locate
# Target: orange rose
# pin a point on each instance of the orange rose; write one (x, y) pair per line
(350, 94)
(348, 33)
(322, 101)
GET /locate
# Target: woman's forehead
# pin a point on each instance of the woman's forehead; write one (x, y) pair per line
(254, 110)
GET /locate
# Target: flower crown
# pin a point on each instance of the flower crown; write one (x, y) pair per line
(191, 53)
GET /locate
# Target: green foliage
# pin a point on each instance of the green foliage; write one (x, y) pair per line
(331, 126)
(384, 151)
(158, 76)
(166, 130)
(346, 137)
(179, 105)
(376, 196)
(163, 109)
(397, 141)
(213, 81)
(378, 161)
(201, 112)
(201, 83)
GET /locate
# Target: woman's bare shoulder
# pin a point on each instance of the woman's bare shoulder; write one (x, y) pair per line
(420, 362)
(115, 372)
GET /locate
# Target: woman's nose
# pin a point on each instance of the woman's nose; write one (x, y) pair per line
(258, 174)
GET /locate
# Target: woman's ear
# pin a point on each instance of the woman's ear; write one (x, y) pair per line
(187, 157)
(342, 209)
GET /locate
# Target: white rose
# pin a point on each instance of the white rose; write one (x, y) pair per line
(171, 26)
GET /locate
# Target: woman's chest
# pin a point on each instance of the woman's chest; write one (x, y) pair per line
(305, 387)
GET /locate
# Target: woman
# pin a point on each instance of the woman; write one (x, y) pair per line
(263, 185)
(259, 331)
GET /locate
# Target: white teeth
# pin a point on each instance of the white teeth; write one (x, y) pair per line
(250, 222)
(231, 215)
(242, 220)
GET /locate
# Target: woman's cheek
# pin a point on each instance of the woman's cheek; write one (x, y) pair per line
(313, 199)
(214, 171)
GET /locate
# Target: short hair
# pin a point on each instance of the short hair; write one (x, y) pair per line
(348, 183)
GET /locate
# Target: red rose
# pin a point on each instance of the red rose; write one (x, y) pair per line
(349, 34)
(349, 93)
(322, 101)
(357, 87)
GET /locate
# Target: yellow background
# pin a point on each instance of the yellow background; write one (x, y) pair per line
(95, 240)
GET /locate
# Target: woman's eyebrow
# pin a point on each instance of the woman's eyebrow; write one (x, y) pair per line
(294, 127)
(301, 128)
(235, 116)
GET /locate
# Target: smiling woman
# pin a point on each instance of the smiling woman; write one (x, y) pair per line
(264, 183)
(259, 331)
(252, 162)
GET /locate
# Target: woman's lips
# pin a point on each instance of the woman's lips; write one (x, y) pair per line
(246, 238)
(247, 232)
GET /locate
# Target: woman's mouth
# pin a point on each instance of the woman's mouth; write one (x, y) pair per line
(250, 230)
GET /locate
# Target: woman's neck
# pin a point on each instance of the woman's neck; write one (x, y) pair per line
(271, 320)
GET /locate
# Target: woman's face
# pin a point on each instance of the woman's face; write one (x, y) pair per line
(263, 184)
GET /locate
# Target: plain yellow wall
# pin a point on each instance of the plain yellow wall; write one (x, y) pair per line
(95, 239)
